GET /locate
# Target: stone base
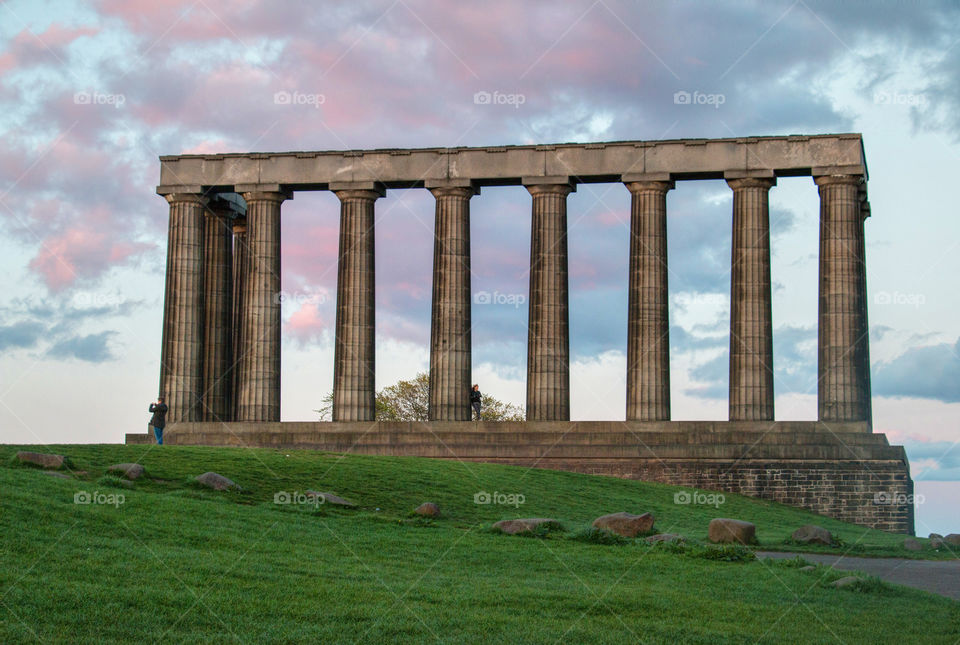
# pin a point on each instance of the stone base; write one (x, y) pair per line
(840, 470)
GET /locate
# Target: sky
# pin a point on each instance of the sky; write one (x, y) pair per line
(92, 93)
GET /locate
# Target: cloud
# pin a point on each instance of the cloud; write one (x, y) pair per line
(931, 372)
(92, 348)
(21, 335)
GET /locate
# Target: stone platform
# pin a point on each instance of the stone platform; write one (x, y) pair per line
(841, 470)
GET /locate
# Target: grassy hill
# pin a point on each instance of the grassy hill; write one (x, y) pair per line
(166, 561)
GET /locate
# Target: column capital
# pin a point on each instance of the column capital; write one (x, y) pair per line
(556, 185)
(648, 185)
(266, 196)
(371, 190)
(736, 183)
(190, 198)
(452, 187)
(838, 179)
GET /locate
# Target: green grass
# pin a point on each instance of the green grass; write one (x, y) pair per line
(165, 561)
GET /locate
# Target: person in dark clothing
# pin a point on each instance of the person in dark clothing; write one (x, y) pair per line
(475, 399)
(159, 419)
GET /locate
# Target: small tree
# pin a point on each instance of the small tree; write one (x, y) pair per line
(410, 401)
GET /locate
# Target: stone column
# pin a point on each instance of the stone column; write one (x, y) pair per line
(354, 354)
(648, 327)
(548, 339)
(259, 391)
(450, 338)
(843, 386)
(751, 313)
(182, 352)
(218, 313)
(239, 279)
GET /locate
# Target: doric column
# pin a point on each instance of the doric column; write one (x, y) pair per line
(751, 322)
(353, 363)
(216, 404)
(450, 339)
(843, 386)
(182, 353)
(548, 339)
(648, 328)
(239, 273)
(259, 390)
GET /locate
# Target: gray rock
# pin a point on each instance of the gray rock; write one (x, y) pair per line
(724, 530)
(845, 582)
(41, 459)
(935, 535)
(527, 525)
(428, 509)
(936, 543)
(217, 481)
(330, 498)
(666, 537)
(953, 539)
(912, 545)
(811, 534)
(625, 524)
(130, 471)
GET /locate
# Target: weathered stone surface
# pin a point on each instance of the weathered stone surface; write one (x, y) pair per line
(625, 524)
(130, 471)
(428, 509)
(845, 582)
(724, 530)
(953, 539)
(527, 525)
(216, 481)
(811, 534)
(330, 498)
(912, 545)
(666, 537)
(936, 543)
(44, 460)
(935, 535)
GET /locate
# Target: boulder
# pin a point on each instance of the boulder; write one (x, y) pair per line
(527, 525)
(935, 535)
(216, 481)
(953, 539)
(665, 537)
(130, 471)
(936, 543)
(723, 530)
(428, 509)
(811, 534)
(330, 498)
(845, 582)
(912, 545)
(41, 459)
(625, 524)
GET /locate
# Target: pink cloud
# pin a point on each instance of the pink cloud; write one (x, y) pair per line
(306, 323)
(77, 254)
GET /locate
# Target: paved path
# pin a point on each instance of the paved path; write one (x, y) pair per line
(938, 576)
